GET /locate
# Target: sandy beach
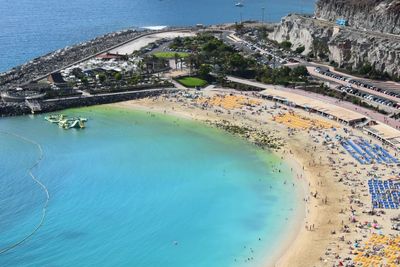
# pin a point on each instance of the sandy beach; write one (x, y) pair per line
(334, 184)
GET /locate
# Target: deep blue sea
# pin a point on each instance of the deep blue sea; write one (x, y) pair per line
(142, 191)
(30, 28)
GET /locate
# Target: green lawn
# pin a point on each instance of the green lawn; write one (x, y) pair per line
(192, 82)
(170, 54)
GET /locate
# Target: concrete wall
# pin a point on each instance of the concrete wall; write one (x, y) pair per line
(60, 104)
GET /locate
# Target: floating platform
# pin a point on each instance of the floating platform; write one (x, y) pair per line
(56, 118)
(67, 123)
(78, 123)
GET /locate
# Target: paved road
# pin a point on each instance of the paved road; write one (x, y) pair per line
(349, 28)
(312, 72)
(388, 85)
(233, 38)
(177, 85)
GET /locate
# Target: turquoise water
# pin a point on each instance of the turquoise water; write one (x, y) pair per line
(137, 190)
(30, 28)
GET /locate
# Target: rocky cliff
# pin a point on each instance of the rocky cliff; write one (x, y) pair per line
(346, 46)
(301, 31)
(374, 15)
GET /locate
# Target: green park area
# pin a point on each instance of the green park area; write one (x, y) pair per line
(168, 55)
(192, 82)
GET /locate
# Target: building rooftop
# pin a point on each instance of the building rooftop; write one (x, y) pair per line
(56, 77)
(385, 131)
(108, 56)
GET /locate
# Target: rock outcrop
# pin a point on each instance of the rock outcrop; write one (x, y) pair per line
(301, 31)
(373, 15)
(346, 46)
(350, 49)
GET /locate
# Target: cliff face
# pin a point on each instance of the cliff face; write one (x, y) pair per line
(300, 31)
(374, 15)
(346, 46)
(350, 49)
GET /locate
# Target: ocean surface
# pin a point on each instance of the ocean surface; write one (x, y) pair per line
(139, 190)
(32, 28)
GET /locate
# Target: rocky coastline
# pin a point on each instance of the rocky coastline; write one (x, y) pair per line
(63, 57)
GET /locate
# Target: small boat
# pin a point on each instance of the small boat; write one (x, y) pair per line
(239, 4)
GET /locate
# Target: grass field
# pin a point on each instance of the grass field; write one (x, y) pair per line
(192, 82)
(170, 54)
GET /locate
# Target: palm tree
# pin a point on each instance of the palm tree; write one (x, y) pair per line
(189, 62)
(176, 58)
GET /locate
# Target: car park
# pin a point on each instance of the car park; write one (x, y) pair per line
(361, 84)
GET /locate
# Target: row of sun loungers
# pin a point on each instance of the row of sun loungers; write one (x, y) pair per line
(384, 194)
(366, 153)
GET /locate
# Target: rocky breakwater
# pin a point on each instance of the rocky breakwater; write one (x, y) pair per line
(63, 57)
(13, 109)
(60, 104)
(373, 15)
(345, 46)
(16, 109)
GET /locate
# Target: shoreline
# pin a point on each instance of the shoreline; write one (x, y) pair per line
(302, 214)
(336, 201)
(346, 183)
(335, 189)
(297, 219)
(289, 239)
(286, 238)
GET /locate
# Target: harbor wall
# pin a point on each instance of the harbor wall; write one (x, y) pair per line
(60, 104)
(41, 67)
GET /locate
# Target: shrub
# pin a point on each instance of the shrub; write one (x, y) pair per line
(286, 45)
(300, 49)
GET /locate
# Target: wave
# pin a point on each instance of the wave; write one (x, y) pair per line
(155, 28)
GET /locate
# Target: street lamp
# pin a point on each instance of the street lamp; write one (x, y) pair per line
(263, 11)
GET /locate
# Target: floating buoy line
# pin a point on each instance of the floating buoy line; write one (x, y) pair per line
(39, 183)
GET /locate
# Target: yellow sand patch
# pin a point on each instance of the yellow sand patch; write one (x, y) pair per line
(293, 120)
(228, 101)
